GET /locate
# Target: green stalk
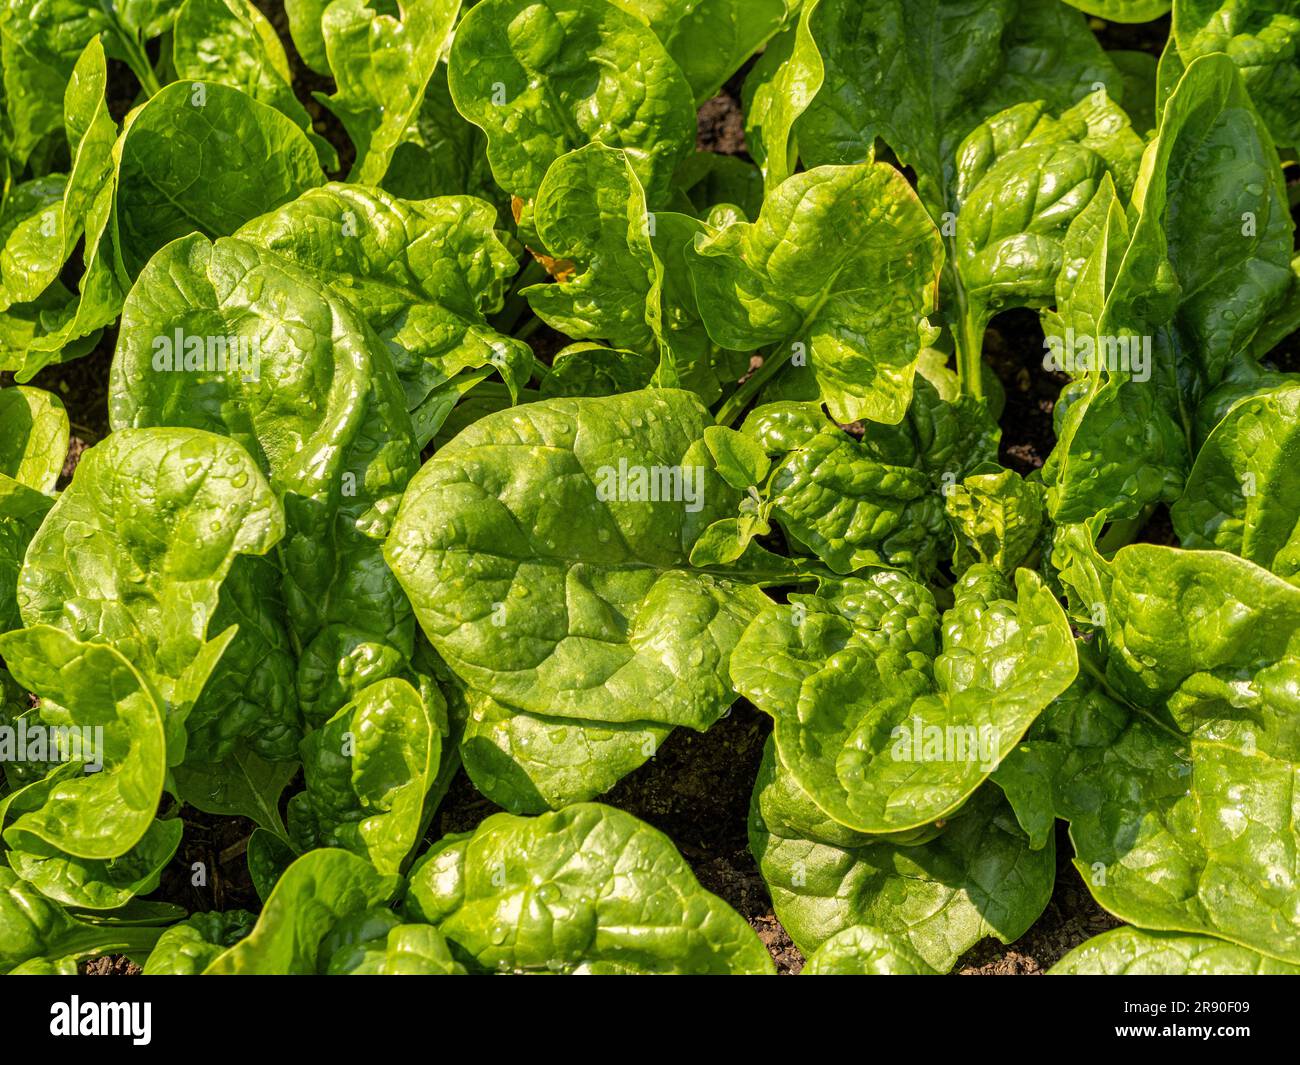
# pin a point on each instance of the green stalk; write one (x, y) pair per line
(1122, 532)
(967, 334)
(136, 58)
(739, 399)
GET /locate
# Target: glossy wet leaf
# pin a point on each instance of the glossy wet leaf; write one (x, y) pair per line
(382, 57)
(204, 158)
(541, 79)
(424, 275)
(941, 892)
(599, 892)
(546, 551)
(888, 717)
(838, 273)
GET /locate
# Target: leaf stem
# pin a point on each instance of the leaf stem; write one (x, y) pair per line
(138, 60)
(739, 399)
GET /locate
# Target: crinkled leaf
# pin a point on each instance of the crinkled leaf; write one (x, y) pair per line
(588, 889)
(543, 78)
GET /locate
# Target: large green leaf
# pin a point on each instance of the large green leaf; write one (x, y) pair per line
(1243, 492)
(423, 275)
(940, 892)
(589, 889)
(888, 718)
(546, 551)
(33, 928)
(1176, 770)
(203, 157)
(838, 273)
(529, 763)
(322, 411)
(135, 552)
(921, 74)
(1184, 283)
(543, 78)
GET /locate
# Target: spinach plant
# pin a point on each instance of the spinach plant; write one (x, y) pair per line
(487, 400)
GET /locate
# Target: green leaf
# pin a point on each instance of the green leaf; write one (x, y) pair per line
(442, 154)
(268, 857)
(188, 948)
(1261, 37)
(1134, 952)
(424, 276)
(589, 889)
(33, 437)
(711, 40)
(546, 551)
(1176, 775)
(850, 510)
(67, 327)
(838, 273)
(1243, 492)
(998, 519)
(304, 18)
(1022, 177)
(240, 785)
(569, 72)
(941, 892)
(231, 42)
(203, 157)
(591, 214)
(324, 414)
(593, 370)
(864, 951)
(34, 929)
(783, 83)
(381, 64)
(368, 770)
(91, 686)
(91, 883)
(921, 74)
(888, 718)
(1207, 260)
(316, 894)
(1123, 10)
(529, 763)
(135, 551)
(39, 48)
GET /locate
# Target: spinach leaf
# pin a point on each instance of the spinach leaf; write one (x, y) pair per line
(589, 889)
(940, 891)
(569, 72)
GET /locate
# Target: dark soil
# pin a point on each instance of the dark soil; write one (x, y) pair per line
(1014, 349)
(209, 871)
(722, 126)
(116, 965)
(721, 120)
